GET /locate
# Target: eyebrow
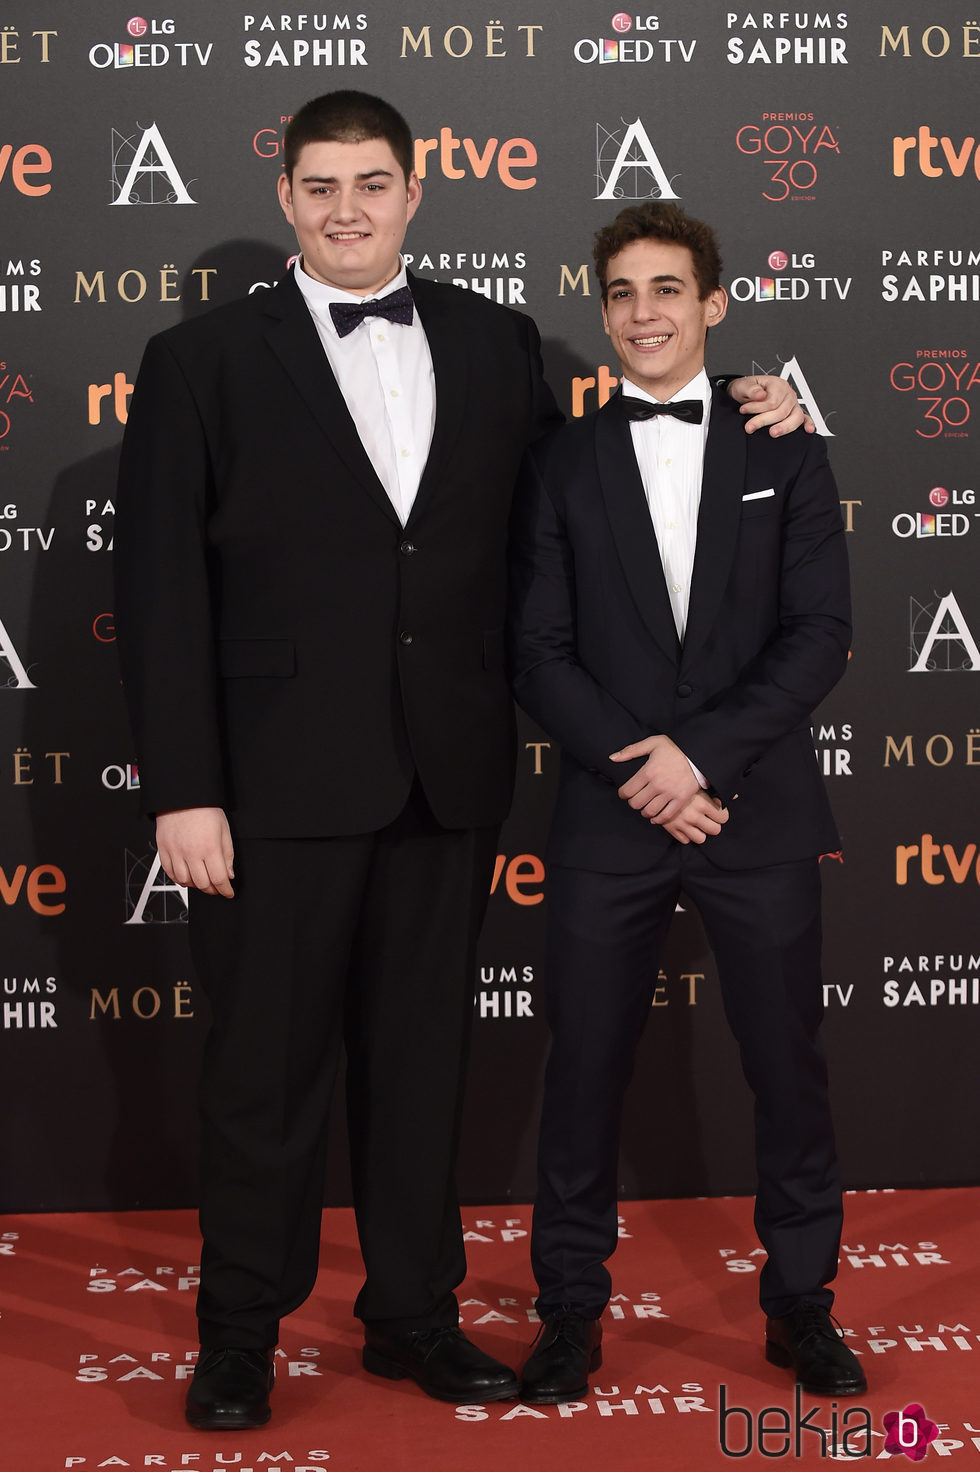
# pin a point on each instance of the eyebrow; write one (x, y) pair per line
(626, 281)
(330, 179)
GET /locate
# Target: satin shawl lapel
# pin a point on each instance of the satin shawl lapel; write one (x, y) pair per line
(293, 338)
(450, 364)
(632, 529)
(722, 483)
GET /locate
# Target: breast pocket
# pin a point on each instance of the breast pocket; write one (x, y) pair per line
(767, 501)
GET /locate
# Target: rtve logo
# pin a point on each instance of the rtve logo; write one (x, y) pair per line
(43, 880)
(923, 145)
(512, 157)
(960, 867)
(22, 164)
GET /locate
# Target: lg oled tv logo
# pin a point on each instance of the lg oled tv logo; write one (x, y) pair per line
(141, 51)
(622, 46)
(937, 521)
(794, 286)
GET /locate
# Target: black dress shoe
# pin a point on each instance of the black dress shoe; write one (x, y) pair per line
(566, 1350)
(230, 1389)
(809, 1342)
(442, 1361)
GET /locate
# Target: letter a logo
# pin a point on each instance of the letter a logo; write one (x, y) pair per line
(631, 154)
(794, 375)
(949, 630)
(139, 170)
(138, 895)
(18, 674)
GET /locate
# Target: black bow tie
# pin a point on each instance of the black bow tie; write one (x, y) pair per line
(690, 410)
(397, 306)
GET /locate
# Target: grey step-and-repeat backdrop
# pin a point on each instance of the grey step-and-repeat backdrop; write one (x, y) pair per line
(837, 152)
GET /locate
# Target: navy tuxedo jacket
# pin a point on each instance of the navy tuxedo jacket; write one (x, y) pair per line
(290, 652)
(595, 654)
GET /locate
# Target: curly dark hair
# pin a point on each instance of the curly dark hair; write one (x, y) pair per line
(655, 220)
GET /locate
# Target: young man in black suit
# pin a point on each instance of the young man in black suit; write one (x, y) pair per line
(314, 494)
(680, 605)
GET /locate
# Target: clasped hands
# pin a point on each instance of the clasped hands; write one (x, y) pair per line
(666, 791)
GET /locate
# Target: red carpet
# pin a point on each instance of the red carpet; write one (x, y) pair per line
(97, 1339)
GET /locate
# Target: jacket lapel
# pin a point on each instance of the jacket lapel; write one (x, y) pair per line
(450, 368)
(293, 338)
(722, 481)
(632, 529)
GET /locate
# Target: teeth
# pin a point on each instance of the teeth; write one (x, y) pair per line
(645, 342)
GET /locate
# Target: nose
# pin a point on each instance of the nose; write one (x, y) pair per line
(346, 204)
(646, 307)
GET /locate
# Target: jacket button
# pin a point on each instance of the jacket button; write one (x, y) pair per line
(405, 637)
(407, 548)
(685, 689)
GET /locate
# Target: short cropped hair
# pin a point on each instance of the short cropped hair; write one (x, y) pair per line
(348, 117)
(656, 220)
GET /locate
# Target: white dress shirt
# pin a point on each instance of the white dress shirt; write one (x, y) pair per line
(384, 371)
(670, 455)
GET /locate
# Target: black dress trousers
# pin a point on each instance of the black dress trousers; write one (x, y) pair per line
(367, 943)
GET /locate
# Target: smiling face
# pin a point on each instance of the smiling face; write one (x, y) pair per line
(654, 317)
(350, 205)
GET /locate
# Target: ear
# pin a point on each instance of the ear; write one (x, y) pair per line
(414, 193)
(285, 191)
(605, 319)
(717, 306)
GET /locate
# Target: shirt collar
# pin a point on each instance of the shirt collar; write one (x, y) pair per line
(318, 294)
(698, 388)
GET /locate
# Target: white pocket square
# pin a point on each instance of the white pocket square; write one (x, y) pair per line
(758, 495)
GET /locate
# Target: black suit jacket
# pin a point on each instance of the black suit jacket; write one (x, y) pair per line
(290, 652)
(595, 653)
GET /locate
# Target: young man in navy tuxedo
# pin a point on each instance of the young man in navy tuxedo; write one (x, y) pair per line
(314, 495)
(679, 607)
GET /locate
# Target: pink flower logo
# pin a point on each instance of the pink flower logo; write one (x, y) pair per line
(909, 1433)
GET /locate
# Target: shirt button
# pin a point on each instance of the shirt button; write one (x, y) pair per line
(406, 452)
(406, 638)
(394, 393)
(677, 587)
